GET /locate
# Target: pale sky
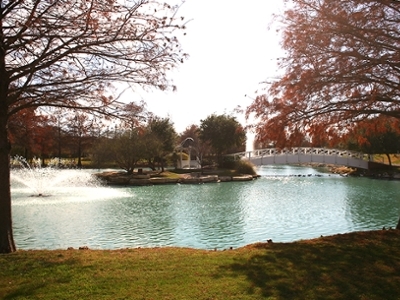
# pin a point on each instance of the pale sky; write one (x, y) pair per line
(231, 51)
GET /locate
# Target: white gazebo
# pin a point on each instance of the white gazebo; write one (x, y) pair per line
(187, 163)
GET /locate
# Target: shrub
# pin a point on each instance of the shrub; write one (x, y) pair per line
(228, 162)
(244, 167)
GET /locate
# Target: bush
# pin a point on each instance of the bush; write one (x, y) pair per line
(244, 167)
(228, 162)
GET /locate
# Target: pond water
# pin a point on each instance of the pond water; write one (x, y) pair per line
(286, 203)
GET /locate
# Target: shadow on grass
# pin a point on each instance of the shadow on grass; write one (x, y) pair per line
(351, 266)
(35, 275)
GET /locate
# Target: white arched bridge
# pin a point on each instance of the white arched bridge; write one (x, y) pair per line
(271, 156)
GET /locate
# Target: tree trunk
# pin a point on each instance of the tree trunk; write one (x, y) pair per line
(389, 159)
(398, 224)
(79, 152)
(7, 244)
(162, 165)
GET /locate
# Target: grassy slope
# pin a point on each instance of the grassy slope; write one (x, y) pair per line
(363, 265)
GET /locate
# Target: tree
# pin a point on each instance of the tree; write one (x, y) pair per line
(127, 146)
(223, 133)
(80, 126)
(135, 115)
(281, 139)
(31, 134)
(152, 147)
(22, 127)
(127, 149)
(102, 153)
(162, 130)
(341, 66)
(377, 136)
(67, 54)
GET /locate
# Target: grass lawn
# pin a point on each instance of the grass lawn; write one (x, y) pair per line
(361, 265)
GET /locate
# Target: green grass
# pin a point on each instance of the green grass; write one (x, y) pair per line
(382, 158)
(363, 265)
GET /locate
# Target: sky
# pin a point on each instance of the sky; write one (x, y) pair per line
(231, 51)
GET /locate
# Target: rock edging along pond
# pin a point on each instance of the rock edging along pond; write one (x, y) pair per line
(122, 178)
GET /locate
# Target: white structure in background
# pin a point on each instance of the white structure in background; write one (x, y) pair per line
(187, 163)
(272, 156)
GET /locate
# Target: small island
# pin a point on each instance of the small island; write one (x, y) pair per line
(145, 178)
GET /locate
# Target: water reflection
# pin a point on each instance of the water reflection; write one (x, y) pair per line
(215, 215)
(373, 202)
(280, 207)
(285, 204)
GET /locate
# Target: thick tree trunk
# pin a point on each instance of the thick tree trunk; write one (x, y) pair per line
(7, 244)
(79, 152)
(389, 159)
(398, 224)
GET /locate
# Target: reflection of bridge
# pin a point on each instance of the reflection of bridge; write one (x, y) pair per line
(273, 156)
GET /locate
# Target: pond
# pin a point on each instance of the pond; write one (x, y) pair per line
(285, 204)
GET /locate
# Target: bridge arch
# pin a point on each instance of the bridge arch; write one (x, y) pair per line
(301, 155)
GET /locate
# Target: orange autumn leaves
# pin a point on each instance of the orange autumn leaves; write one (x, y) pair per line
(340, 73)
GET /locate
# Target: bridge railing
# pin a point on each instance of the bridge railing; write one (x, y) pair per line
(302, 153)
(300, 150)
